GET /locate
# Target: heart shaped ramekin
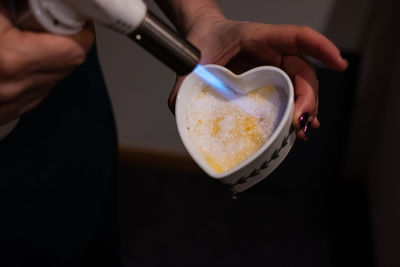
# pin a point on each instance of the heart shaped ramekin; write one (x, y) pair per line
(271, 154)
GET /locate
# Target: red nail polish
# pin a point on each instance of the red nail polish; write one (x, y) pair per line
(307, 129)
(303, 120)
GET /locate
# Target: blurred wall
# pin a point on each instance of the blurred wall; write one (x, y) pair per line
(374, 143)
(139, 85)
(372, 158)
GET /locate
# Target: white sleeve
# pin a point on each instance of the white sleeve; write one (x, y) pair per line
(7, 128)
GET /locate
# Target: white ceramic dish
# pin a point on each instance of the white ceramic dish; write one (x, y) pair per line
(271, 154)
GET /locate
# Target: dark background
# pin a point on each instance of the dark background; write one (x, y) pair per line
(304, 214)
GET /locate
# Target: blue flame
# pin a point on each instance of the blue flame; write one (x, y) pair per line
(214, 82)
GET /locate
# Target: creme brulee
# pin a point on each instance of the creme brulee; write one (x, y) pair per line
(227, 132)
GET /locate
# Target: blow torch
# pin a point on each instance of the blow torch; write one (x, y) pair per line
(129, 17)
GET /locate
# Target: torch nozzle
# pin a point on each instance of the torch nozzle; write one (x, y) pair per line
(166, 44)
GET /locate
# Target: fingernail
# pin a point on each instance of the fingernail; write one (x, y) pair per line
(304, 119)
(307, 129)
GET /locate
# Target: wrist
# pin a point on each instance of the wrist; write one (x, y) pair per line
(203, 15)
(186, 13)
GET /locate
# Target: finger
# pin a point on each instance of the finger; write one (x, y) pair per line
(25, 52)
(304, 111)
(34, 101)
(11, 92)
(22, 105)
(56, 51)
(292, 39)
(14, 111)
(306, 94)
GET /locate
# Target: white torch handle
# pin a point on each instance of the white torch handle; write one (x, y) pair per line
(129, 17)
(69, 16)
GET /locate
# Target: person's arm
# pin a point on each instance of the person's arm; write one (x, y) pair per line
(184, 13)
(243, 45)
(32, 63)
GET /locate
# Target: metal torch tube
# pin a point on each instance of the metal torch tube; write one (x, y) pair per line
(152, 34)
(165, 44)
